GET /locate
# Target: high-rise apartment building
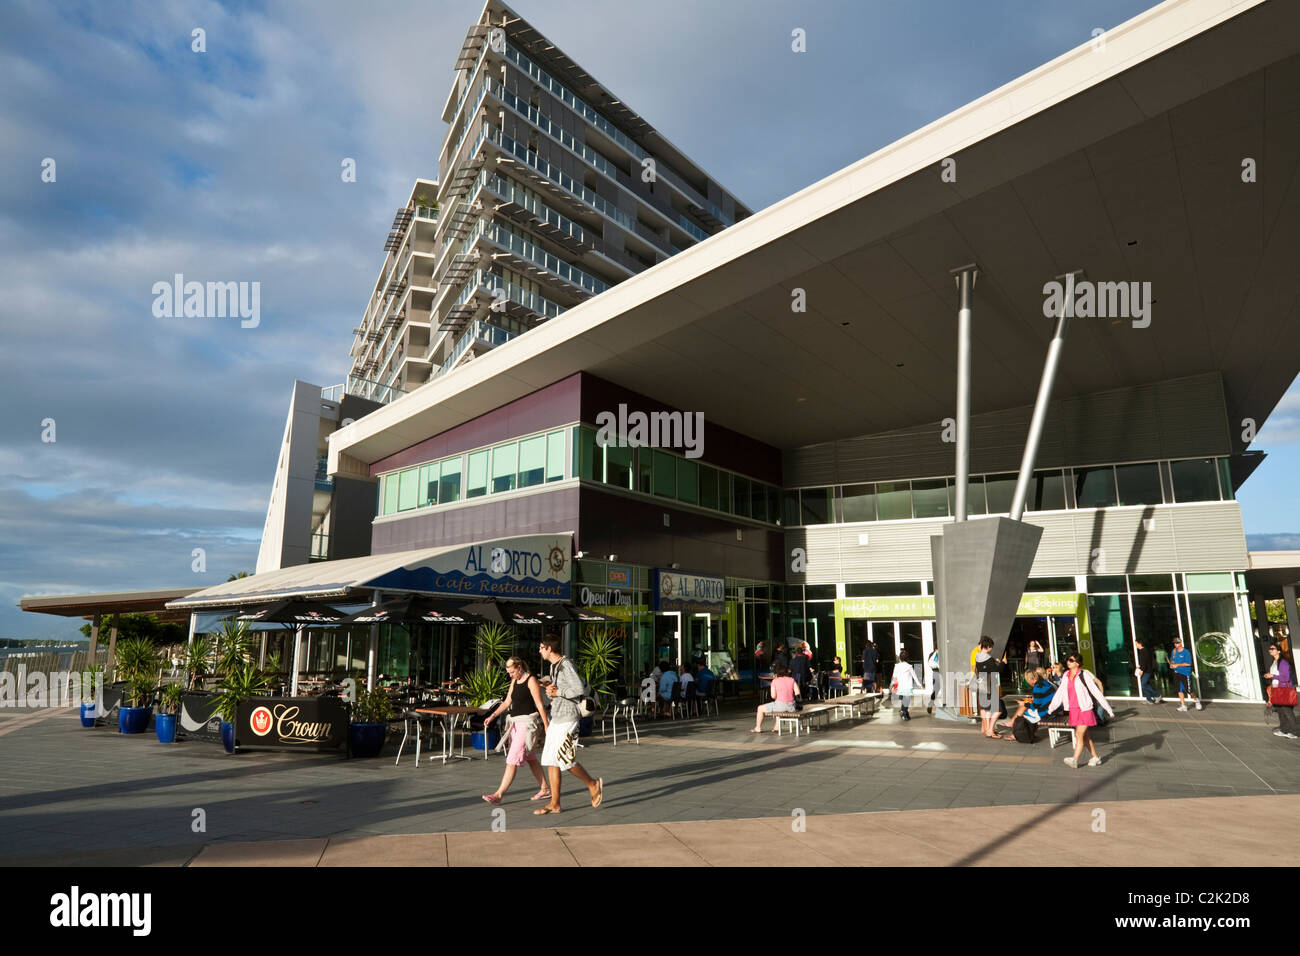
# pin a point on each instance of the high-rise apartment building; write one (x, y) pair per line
(551, 191)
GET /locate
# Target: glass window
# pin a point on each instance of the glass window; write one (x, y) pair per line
(555, 456)
(390, 494)
(1112, 644)
(644, 464)
(930, 498)
(1222, 662)
(975, 501)
(819, 592)
(1225, 479)
(1000, 489)
(586, 455)
(408, 489)
(740, 488)
(449, 481)
(427, 490)
(1194, 480)
(1101, 583)
(1151, 582)
(724, 491)
(665, 474)
(618, 466)
(884, 589)
(1053, 584)
(1139, 484)
(859, 502)
(1048, 491)
(773, 504)
(709, 487)
(758, 501)
(893, 500)
(1095, 487)
(532, 461)
(505, 459)
(476, 482)
(688, 481)
(790, 514)
(815, 505)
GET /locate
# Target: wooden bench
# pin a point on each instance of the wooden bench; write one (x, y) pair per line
(854, 705)
(801, 719)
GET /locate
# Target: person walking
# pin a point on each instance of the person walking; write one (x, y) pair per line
(1080, 693)
(933, 668)
(560, 751)
(784, 691)
(988, 680)
(1146, 672)
(903, 682)
(524, 728)
(1181, 663)
(1282, 692)
(799, 671)
(870, 657)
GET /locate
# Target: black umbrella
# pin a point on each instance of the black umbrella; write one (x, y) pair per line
(413, 609)
(295, 611)
(559, 613)
(504, 612)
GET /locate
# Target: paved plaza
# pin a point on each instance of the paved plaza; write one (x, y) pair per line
(696, 791)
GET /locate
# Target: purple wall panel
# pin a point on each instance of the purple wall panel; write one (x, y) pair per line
(549, 512)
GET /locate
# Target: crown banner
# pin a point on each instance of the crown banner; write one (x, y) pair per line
(694, 593)
(530, 567)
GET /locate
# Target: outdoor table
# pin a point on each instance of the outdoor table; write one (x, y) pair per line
(449, 717)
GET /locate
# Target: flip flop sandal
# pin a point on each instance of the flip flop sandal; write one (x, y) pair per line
(600, 792)
(492, 798)
(541, 795)
(543, 810)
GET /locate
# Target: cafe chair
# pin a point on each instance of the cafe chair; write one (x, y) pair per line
(625, 708)
(710, 698)
(409, 717)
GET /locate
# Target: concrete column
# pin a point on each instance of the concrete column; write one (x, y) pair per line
(112, 645)
(965, 277)
(1292, 614)
(1261, 621)
(194, 623)
(94, 639)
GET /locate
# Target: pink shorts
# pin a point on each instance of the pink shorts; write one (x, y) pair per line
(519, 751)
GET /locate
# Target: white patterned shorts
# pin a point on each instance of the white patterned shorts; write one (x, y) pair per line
(561, 747)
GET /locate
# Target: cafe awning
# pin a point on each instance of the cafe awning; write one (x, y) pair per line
(530, 567)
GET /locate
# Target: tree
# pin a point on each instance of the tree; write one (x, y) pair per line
(236, 577)
(146, 626)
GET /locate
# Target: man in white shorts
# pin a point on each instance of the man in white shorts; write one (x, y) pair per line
(560, 752)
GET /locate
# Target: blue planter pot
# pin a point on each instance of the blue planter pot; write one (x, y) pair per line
(164, 725)
(228, 737)
(476, 740)
(133, 720)
(366, 740)
(88, 714)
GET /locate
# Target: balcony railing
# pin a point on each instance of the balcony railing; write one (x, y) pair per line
(479, 331)
(320, 546)
(362, 388)
(323, 480)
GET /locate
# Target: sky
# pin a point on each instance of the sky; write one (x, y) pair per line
(225, 165)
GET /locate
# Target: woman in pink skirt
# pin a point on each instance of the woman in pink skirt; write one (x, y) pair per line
(1080, 691)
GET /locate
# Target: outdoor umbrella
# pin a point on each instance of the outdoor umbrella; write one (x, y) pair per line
(505, 612)
(560, 613)
(413, 609)
(300, 614)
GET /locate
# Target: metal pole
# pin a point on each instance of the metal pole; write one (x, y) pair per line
(966, 276)
(293, 675)
(372, 651)
(194, 623)
(1044, 398)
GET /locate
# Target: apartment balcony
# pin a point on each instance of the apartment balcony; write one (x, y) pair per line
(362, 388)
(324, 483)
(480, 336)
(320, 547)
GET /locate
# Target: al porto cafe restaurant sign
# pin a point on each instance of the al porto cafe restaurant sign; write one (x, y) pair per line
(311, 723)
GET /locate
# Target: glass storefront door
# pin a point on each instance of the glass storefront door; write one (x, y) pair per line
(668, 637)
(1155, 620)
(883, 633)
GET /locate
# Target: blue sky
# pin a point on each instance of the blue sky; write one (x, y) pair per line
(225, 165)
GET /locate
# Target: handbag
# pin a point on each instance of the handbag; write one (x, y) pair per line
(1282, 696)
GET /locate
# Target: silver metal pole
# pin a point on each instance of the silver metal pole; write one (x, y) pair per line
(293, 676)
(1044, 398)
(372, 652)
(966, 276)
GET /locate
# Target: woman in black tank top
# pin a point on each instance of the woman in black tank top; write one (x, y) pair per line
(527, 724)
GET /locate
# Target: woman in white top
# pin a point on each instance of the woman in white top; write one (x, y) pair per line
(1080, 693)
(903, 682)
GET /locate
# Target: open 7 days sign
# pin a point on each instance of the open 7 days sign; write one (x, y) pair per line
(298, 723)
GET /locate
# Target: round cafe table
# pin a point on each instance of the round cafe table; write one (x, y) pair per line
(449, 717)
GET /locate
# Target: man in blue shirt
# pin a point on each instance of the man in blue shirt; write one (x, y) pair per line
(1180, 661)
(666, 683)
(704, 677)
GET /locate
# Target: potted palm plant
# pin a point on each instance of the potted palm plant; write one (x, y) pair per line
(137, 665)
(195, 661)
(238, 685)
(164, 725)
(91, 684)
(368, 728)
(597, 659)
(489, 682)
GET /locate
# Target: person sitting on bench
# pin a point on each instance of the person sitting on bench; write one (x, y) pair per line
(1030, 712)
(784, 691)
